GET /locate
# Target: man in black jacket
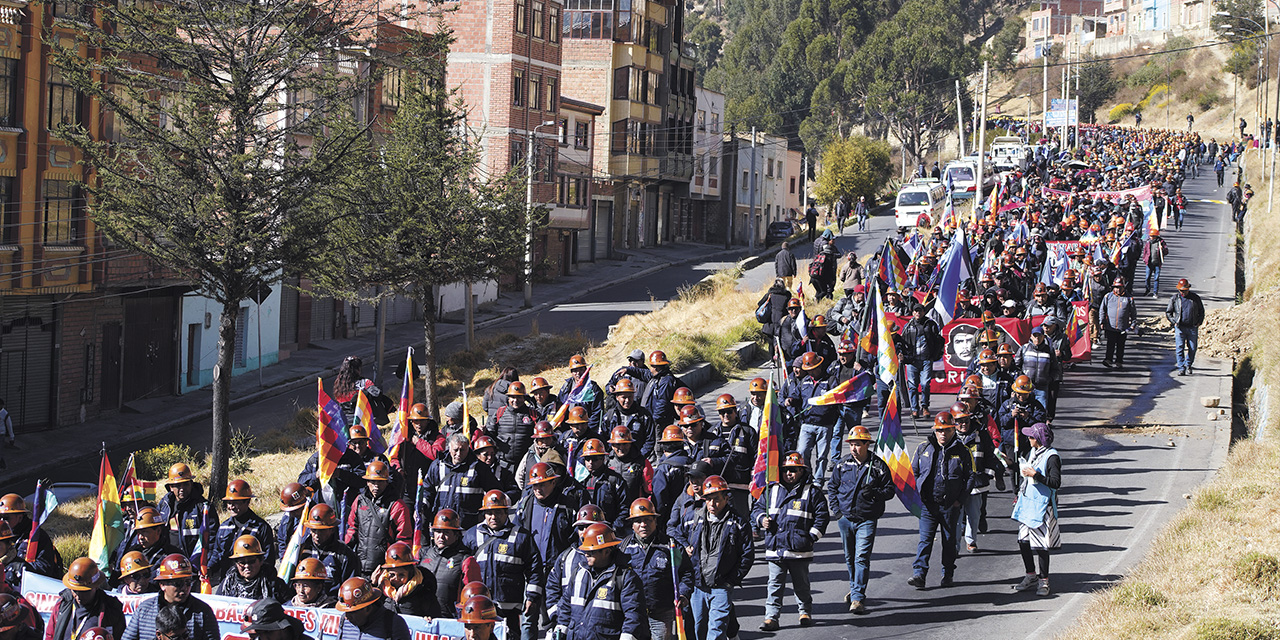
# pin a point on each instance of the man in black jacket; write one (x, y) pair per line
(1186, 313)
(943, 470)
(83, 604)
(856, 494)
(922, 340)
(784, 264)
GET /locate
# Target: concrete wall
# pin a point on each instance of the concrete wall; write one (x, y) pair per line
(195, 308)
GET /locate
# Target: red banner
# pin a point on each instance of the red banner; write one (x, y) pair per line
(961, 339)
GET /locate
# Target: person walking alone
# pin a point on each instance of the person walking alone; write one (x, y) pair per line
(1119, 317)
(859, 487)
(1186, 313)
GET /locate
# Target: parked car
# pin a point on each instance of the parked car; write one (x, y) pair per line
(778, 231)
(67, 491)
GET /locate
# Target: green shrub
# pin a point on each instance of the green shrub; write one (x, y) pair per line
(1227, 629)
(1259, 570)
(1140, 595)
(154, 463)
(1208, 100)
(1148, 74)
(1120, 112)
(242, 451)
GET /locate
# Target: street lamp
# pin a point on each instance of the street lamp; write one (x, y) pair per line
(1263, 94)
(528, 201)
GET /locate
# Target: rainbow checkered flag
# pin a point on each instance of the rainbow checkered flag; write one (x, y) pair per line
(364, 417)
(767, 454)
(886, 352)
(892, 447)
(293, 551)
(331, 434)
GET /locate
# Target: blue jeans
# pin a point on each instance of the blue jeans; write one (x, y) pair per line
(711, 613)
(932, 518)
(858, 539)
(778, 570)
(971, 513)
(918, 377)
(1153, 278)
(1185, 342)
(662, 626)
(816, 436)
(1042, 395)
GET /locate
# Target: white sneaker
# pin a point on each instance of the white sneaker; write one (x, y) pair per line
(1044, 587)
(1028, 583)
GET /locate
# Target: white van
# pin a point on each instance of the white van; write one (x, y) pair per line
(1009, 154)
(922, 196)
(963, 176)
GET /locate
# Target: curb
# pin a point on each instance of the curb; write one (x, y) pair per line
(49, 464)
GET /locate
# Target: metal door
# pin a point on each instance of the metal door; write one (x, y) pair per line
(603, 229)
(111, 336)
(26, 360)
(149, 347)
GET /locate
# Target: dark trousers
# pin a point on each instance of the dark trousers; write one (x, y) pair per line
(1115, 346)
(813, 230)
(932, 518)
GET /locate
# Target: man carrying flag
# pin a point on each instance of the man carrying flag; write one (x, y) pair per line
(859, 487)
(33, 543)
(580, 390)
(108, 519)
(851, 389)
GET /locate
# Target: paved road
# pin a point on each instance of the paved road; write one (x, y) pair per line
(1119, 488)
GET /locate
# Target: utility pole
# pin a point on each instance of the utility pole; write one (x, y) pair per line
(731, 168)
(1079, 62)
(1044, 96)
(982, 141)
(528, 203)
(1062, 133)
(751, 209)
(960, 118)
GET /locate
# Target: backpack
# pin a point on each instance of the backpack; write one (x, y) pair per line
(816, 265)
(764, 312)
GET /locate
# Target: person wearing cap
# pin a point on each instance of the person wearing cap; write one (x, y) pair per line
(591, 397)
(659, 387)
(487, 453)
(793, 515)
(325, 545)
(409, 590)
(634, 359)
(377, 519)
(669, 473)
(251, 576)
(135, 575)
(944, 471)
(293, 498)
(1154, 252)
(265, 619)
(509, 562)
(626, 412)
(311, 588)
(818, 341)
(478, 615)
(546, 448)
(150, 538)
(241, 520)
(816, 421)
(688, 502)
(649, 550)
(176, 577)
(448, 560)
(458, 481)
(849, 308)
(975, 436)
(605, 599)
(1119, 317)
(602, 486)
(453, 422)
(1037, 360)
(511, 426)
(570, 561)
(13, 510)
(720, 547)
(757, 389)
(856, 494)
(364, 617)
(625, 459)
(1036, 510)
(83, 604)
(923, 341)
(544, 403)
(1186, 313)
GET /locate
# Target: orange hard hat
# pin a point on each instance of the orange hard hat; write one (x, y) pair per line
(539, 382)
(377, 470)
(987, 316)
(759, 385)
(577, 362)
(540, 473)
(598, 536)
(419, 412)
(714, 484)
(690, 414)
(989, 335)
(398, 555)
(246, 546)
(671, 433)
(642, 508)
(682, 396)
(356, 593)
(794, 459)
(577, 415)
(593, 447)
(794, 303)
(588, 514)
(959, 411)
(810, 361)
(620, 435)
(1023, 385)
(147, 518)
(495, 500)
(321, 516)
(12, 503)
(311, 569)
(974, 380)
(623, 386)
(471, 590)
(658, 359)
(293, 497)
(1004, 350)
(132, 563)
(483, 442)
(175, 566)
(859, 433)
(543, 429)
(818, 321)
(178, 474)
(516, 390)
(944, 420)
(987, 357)
(726, 402)
(238, 490)
(478, 610)
(83, 575)
(357, 432)
(1183, 285)
(447, 519)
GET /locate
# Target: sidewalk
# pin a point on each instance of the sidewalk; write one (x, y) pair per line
(41, 452)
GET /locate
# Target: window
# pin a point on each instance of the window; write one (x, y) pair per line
(517, 88)
(392, 87)
(769, 170)
(553, 30)
(715, 123)
(553, 94)
(564, 131)
(746, 177)
(302, 103)
(62, 212)
(702, 120)
(591, 19)
(535, 92)
(517, 154)
(581, 134)
(793, 184)
(64, 101)
(522, 7)
(9, 211)
(537, 19)
(713, 173)
(10, 82)
(69, 9)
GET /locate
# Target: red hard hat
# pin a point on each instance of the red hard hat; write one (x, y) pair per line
(238, 490)
(714, 484)
(587, 514)
(543, 429)
(726, 401)
(447, 519)
(682, 396)
(658, 359)
(540, 473)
